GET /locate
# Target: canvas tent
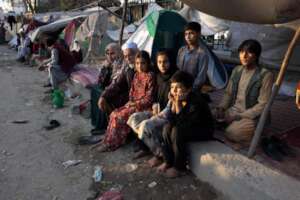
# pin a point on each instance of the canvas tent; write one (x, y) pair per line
(52, 28)
(90, 34)
(156, 32)
(131, 28)
(68, 34)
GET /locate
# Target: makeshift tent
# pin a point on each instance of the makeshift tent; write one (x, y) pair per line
(156, 32)
(52, 28)
(92, 35)
(89, 35)
(255, 11)
(131, 28)
(164, 30)
(69, 32)
(274, 40)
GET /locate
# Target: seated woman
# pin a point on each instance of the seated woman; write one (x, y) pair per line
(140, 99)
(107, 73)
(189, 119)
(148, 124)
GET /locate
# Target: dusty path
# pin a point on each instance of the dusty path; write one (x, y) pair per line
(31, 157)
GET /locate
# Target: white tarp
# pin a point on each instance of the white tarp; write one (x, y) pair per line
(91, 32)
(130, 29)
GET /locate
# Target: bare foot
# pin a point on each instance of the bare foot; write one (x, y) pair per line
(140, 154)
(235, 146)
(154, 161)
(163, 167)
(95, 146)
(172, 173)
(102, 148)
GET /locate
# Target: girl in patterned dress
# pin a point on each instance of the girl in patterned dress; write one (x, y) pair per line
(140, 99)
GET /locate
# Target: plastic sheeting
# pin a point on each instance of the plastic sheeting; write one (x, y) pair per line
(254, 11)
(274, 39)
(90, 33)
(52, 27)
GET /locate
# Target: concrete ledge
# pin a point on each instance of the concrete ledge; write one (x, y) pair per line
(238, 177)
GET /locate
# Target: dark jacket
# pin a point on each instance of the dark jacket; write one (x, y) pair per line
(65, 59)
(195, 118)
(117, 93)
(163, 87)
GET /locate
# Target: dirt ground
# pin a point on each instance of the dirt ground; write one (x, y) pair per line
(31, 158)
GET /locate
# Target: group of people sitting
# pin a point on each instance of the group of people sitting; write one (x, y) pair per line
(162, 104)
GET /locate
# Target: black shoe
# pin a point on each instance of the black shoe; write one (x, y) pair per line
(92, 139)
(271, 149)
(97, 131)
(50, 91)
(52, 124)
(47, 85)
(283, 147)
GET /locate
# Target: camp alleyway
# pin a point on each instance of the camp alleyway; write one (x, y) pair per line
(31, 158)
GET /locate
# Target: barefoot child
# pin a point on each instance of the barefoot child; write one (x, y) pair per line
(189, 120)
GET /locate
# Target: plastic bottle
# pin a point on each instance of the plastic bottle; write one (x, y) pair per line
(97, 173)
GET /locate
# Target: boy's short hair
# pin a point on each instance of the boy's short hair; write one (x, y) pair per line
(252, 46)
(194, 26)
(184, 78)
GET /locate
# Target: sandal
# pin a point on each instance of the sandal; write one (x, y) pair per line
(52, 125)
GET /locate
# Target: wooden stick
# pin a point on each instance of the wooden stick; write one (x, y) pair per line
(123, 22)
(275, 89)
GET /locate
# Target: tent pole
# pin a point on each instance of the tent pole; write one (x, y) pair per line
(123, 22)
(275, 89)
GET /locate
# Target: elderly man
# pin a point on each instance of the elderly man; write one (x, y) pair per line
(116, 94)
(246, 95)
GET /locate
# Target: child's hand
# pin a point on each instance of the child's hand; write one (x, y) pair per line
(155, 109)
(131, 104)
(171, 97)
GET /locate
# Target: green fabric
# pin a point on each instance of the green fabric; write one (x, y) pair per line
(169, 31)
(151, 23)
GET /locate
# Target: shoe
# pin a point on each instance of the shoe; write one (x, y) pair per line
(98, 131)
(52, 124)
(271, 149)
(92, 139)
(47, 85)
(50, 91)
(283, 147)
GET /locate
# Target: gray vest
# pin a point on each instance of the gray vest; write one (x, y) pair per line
(253, 88)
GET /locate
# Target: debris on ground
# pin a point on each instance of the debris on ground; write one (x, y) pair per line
(70, 163)
(130, 167)
(97, 174)
(152, 185)
(111, 195)
(21, 121)
(52, 124)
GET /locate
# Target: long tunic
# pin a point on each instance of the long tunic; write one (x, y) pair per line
(141, 94)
